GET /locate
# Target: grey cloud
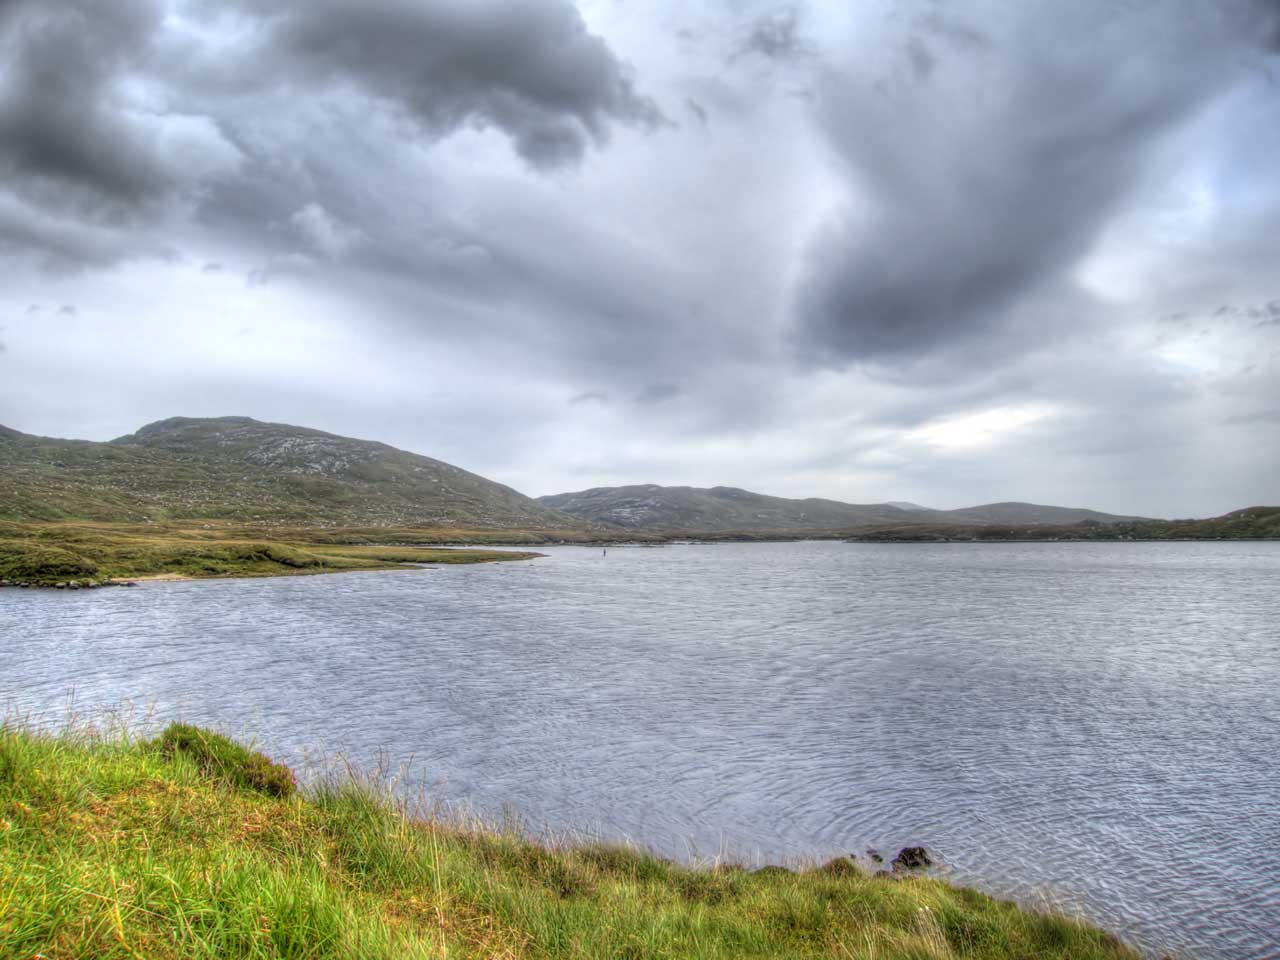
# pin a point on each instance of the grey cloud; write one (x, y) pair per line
(658, 392)
(283, 265)
(589, 396)
(85, 160)
(922, 58)
(531, 70)
(64, 241)
(55, 121)
(1262, 416)
(325, 232)
(953, 31)
(775, 36)
(1257, 315)
(112, 121)
(977, 190)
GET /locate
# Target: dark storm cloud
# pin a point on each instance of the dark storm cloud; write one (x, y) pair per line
(531, 70)
(87, 161)
(985, 164)
(56, 123)
(113, 121)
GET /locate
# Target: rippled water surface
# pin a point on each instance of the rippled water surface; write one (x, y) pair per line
(1091, 724)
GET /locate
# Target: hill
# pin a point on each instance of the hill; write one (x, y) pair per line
(243, 470)
(652, 509)
(655, 509)
(1252, 523)
(1023, 513)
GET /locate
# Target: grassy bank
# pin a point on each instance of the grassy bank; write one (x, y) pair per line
(51, 553)
(188, 847)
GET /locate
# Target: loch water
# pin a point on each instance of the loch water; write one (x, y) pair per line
(1091, 726)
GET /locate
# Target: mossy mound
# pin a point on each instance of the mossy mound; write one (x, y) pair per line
(42, 564)
(222, 758)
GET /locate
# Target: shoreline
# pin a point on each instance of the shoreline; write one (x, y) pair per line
(165, 847)
(81, 555)
(133, 581)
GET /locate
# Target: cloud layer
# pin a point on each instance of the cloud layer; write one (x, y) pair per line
(936, 252)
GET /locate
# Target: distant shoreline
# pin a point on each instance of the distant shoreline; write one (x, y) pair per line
(85, 554)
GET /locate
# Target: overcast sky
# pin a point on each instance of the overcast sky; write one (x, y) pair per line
(948, 251)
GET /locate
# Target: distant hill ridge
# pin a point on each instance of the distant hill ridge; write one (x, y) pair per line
(271, 474)
(651, 508)
(238, 468)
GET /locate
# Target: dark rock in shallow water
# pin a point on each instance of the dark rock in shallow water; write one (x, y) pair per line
(875, 855)
(912, 858)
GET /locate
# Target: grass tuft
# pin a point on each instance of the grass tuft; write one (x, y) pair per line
(223, 758)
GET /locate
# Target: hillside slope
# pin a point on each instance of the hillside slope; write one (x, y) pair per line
(1023, 513)
(1251, 523)
(236, 468)
(652, 508)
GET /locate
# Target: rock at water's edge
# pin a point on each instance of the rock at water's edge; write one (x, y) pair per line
(912, 858)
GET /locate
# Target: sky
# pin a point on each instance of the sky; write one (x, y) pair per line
(944, 251)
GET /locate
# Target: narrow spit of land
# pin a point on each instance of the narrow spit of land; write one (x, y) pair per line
(89, 554)
(190, 846)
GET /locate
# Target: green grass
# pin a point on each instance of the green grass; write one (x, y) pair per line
(43, 554)
(117, 848)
